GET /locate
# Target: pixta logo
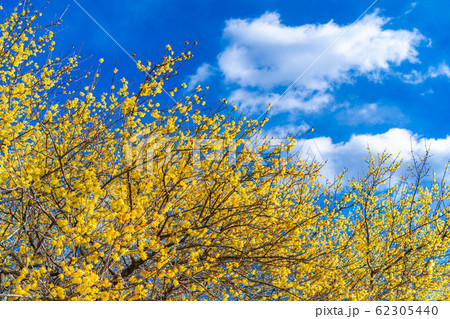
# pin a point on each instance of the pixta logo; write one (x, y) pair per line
(148, 151)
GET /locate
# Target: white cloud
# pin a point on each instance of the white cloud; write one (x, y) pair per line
(254, 100)
(309, 102)
(204, 72)
(350, 154)
(370, 114)
(411, 8)
(416, 77)
(263, 55)
(429, 91)
(443, 70)
(280, 132)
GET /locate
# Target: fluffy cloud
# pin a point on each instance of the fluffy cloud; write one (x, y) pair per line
(263, 56)
(305, 101)
(416, 77)
(370, 114)
(204, 72)
(350, 154)
(411, 8)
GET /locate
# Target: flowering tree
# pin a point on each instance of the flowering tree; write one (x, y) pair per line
(115, 197)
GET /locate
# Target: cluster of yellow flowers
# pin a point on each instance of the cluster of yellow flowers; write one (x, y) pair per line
(82, 219)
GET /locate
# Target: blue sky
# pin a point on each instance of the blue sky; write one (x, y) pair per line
(384, 84)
